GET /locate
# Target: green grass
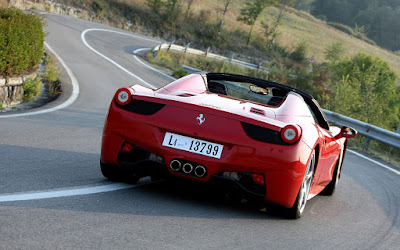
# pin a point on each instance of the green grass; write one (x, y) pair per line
(377, 149)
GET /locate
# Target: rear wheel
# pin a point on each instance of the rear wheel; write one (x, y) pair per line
(297, 210)
(115, 173)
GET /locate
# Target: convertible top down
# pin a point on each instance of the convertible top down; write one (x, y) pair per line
(271, 140)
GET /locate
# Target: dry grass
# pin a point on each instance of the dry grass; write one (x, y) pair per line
(296, 26)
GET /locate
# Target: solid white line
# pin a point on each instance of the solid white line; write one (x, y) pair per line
(63, 193)
(148, 66)
(376, 162)
(111, 61)
(71, 99)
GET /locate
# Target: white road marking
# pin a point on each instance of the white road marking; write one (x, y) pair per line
(376, 162)
(71, 99)
(111, 61)
(63, 192)
(148, 66)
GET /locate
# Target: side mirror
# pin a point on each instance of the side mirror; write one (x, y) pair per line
(346, 132)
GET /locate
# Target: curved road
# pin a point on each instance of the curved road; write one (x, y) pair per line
(52, 194)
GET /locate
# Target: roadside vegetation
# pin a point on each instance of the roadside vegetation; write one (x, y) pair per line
(21, 42)
(21, 52)
(51, 77)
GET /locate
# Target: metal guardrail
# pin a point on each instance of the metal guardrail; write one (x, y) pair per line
(186, 49)
(363, 128)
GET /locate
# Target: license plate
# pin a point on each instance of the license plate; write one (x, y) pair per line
(193, 145)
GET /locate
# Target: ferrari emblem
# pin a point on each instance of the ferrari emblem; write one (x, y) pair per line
(201, 119)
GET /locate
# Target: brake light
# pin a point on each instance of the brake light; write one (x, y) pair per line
(123, 96)
(127, 147)
(291, 133)
(258, 178)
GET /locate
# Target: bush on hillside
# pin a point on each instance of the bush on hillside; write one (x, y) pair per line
(21, 42)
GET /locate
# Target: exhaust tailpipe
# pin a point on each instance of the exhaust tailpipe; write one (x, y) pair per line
(200, 171)
(187, 168)
(175, 165)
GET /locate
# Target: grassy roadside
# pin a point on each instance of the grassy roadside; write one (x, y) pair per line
(377, 149)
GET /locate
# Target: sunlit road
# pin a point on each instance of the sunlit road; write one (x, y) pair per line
(52, 193)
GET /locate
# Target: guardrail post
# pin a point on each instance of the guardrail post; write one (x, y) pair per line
(366, 143)
(186, 47)
(207, 51)
(398, 129)
(169, 47)
(156, 51)
(259, 65)
(233, 56)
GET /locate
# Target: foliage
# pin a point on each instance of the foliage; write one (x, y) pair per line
(335, 52)
(299, 53)
(21, 42)
(180, 72)
(250, 13)
(51, 73)
(31, 88)
(155, 5)
(51, 77)
(365, 89)
(380, 18)
(226, 5)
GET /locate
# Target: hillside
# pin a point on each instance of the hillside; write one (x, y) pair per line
(296, 26)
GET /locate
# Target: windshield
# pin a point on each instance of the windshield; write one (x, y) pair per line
(248, 91)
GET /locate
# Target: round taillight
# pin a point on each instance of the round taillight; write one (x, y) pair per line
(291, 133)
(123, 96)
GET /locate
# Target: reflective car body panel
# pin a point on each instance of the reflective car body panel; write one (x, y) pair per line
(239, 125)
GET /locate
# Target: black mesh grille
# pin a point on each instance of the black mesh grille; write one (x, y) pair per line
(263, 134)
(142, 107)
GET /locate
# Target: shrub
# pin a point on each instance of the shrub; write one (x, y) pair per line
(51, 77)
(21, 42)
(299, 53)
(31, 88)
(178, 73)
(51, 73)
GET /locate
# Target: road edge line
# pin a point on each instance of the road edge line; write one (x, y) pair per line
(74, 95)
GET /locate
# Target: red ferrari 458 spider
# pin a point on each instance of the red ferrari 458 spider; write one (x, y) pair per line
(271, 140)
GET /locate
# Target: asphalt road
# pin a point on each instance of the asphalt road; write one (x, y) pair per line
(52, 193)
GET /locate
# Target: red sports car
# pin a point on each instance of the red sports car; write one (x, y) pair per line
(271, 140)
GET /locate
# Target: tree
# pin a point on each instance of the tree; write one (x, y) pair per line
(335, 52)
(251, 11)
(173, 10)
(226, 4)
(365, 89)
(155, 5)
(189, 5)
(283, 5)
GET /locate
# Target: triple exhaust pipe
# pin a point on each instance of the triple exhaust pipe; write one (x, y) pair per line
(188, 168)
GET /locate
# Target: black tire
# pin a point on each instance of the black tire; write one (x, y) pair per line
(297, 210)
(109, 171)
(331, 187)
(115, 173)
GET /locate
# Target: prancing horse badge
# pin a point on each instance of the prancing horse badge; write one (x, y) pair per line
(201, 119)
